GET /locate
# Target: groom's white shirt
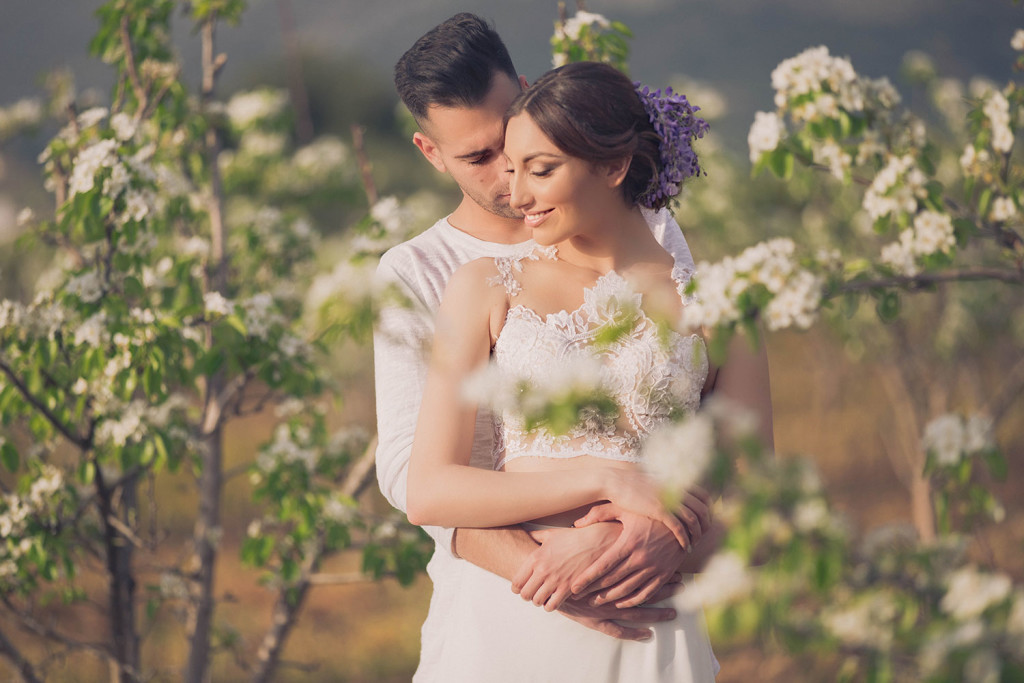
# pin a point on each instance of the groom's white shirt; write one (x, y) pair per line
(420, 268)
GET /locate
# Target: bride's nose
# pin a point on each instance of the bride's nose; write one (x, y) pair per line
(519, 197)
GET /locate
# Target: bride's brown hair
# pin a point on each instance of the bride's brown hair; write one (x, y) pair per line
(591, 111)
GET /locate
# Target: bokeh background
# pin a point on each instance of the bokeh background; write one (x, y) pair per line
(830, 397)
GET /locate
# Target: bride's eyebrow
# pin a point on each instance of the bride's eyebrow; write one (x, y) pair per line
(530, 157)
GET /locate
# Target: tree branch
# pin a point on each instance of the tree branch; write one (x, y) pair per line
(925, 279)
(66, 431)
(22, 665)
(129, 61)
(291, 598)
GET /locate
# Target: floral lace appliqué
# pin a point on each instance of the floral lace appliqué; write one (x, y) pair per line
(649, 376)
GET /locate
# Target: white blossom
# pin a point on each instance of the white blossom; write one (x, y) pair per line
(971, 592)
(91, 117)
(997, 110)
(259, 314)
(835, 157)
(284, 450)
(214, 303)
(765, 134)
(944, 438)
(80, 386)
(796, 304)
(809, 515)
(88, 163)
(25, 216)
(896, 188)
(677, 455)
(1003, 209)
(86, 286)
(93, 332)
(321, 157)
(574, 25)
(48, 482)
(1017, 42)
(124, 126)
(246, 108)
(262, 144)
(866, 623)
(338, 511)
(22, 114)
(725, 579)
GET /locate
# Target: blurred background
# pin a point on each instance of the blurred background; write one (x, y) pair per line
(843, 394)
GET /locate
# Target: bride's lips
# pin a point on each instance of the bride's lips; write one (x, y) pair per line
(533, 219)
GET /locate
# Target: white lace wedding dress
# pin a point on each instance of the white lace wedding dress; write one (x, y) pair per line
(493, 634)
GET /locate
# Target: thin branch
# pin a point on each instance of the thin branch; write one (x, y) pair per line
(36, 403)
(33, 625)
(22, 665)
(1009, 391)
(129, 60)
(365, 167)
(361, 473)
(296, 82)
(925, 279)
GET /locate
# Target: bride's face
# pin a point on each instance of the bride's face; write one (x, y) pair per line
(561, 196)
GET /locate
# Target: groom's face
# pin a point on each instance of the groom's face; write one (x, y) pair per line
(466, 143)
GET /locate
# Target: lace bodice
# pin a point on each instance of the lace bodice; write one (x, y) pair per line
(649, 376)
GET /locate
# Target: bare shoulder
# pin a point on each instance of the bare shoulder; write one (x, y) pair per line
(474, 287)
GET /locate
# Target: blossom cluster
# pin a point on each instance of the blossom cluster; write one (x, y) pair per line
(794, 292)
(997, 111)
(18, 511)
(125, 424)
(389, 225)
(290, 445)
(931, 233)
(765, 134)
(574, 25)
(247, 108)
(814, 84)
(22, 114)
(950, 437)
(896, 189)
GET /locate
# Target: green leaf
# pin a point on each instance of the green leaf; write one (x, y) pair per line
(781, 163)
(9, 456)
(888, 306)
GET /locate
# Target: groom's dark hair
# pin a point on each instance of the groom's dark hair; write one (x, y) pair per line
(452, 65)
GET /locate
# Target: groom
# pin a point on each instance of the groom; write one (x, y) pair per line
(458, 80)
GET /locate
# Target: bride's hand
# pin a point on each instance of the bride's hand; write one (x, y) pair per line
(635, 491)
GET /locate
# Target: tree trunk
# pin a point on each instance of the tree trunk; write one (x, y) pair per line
(120, 576)
(206, 536)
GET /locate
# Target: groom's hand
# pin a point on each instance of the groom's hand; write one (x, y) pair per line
(545, 578)
(644, 557)
(624, 623)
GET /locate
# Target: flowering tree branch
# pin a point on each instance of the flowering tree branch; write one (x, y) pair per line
(83, 443)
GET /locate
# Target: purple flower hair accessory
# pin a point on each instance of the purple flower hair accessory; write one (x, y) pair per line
(677, 126)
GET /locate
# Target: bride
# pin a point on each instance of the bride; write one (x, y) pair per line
(584, 156)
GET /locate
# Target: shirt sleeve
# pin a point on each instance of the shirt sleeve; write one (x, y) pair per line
(666, 230)
(404, 329)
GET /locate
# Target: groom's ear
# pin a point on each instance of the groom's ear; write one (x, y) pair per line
(430, 150)
(523, 85)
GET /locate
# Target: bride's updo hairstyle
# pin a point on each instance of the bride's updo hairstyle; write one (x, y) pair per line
(591, 111)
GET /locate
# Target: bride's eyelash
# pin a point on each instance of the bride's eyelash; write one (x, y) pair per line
(543, 173)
